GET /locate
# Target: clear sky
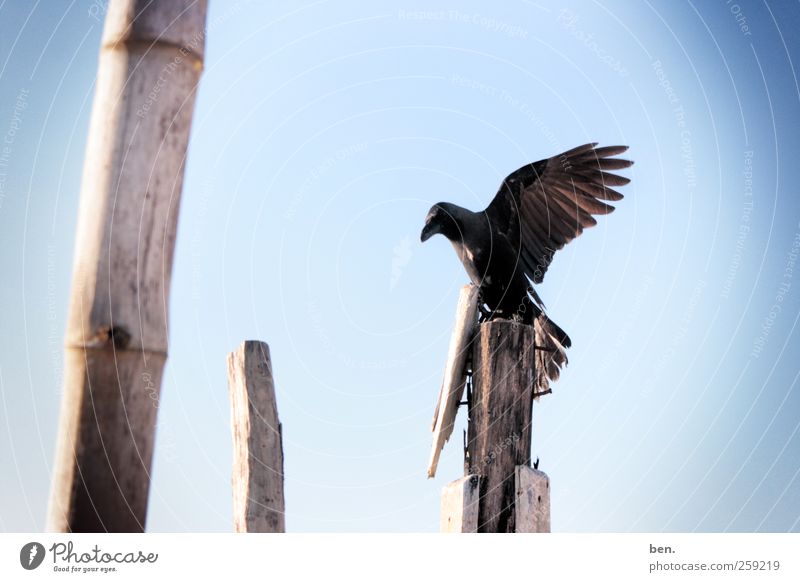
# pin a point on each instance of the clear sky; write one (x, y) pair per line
(322, 134)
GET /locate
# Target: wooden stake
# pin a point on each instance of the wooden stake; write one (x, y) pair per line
(460, 505)
(532, 502)
(499, 432)
(455, 373)
(258, 502)
(116, 340)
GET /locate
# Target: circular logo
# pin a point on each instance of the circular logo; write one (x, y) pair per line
(31, 555)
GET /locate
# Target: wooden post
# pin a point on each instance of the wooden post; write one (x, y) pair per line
(116, 341)
(258, 502)
(499, 431)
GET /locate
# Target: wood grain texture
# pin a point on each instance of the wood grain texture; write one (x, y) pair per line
(455, 373)
(258, 500)
(459, 510)
(499, 432)
(532, 508)
(116, 338)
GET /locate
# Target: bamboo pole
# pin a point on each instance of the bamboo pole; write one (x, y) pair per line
(116, 340)
(258, 501)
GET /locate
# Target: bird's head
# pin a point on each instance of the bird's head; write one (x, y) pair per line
(442, 219)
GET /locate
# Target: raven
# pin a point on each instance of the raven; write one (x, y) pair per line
(508, 246)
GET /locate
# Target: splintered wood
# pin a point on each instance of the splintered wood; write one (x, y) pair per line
(455, 373)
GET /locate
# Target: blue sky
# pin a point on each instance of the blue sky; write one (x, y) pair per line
(322, 134)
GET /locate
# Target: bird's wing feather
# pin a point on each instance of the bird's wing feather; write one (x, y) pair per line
(544, 205)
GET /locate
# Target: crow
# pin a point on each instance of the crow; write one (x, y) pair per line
(508, 247)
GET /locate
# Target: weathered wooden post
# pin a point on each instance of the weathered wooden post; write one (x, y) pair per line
(511, 496)
(258, 501)
(499, 431)
(116, 340)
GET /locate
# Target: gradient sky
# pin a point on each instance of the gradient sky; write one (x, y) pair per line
(323, 132)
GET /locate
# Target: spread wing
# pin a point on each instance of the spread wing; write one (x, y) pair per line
(544, 205)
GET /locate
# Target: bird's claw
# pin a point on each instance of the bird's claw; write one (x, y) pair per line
(484, 314)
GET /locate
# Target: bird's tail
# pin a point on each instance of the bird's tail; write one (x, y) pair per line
(551, 352)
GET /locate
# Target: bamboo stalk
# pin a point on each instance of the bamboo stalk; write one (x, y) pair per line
(116, 340)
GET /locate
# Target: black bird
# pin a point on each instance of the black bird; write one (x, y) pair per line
(509, 245)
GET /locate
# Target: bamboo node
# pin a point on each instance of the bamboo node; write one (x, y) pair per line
(115, 334)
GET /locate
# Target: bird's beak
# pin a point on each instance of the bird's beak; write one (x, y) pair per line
(428, 231)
